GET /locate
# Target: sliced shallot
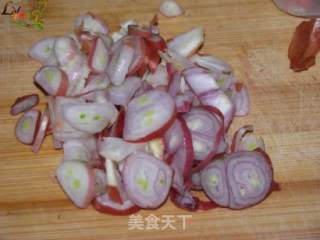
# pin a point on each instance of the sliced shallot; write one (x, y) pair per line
(52, 80)
(99, 56)
(76, 149)
(78, 181)
(244, 140)
(240, 99)
(154, 45)
(221, 101)
(187, 43)
(117, 149)
(120, 63)
(156, 148)
(225, 81)
(184, 102)
(26, 126)
(125, 25)
(104, 204)
(41, 133)
(300, 8)
(180, 62)
(196, 181)
(170, 8)
(239, 181)
(173, 137)
(115, 187)
(249, 177)
(43, 51)
(90, 117)
(24, 103)
(96, 82)
(174, 84)
(214, 182)
(159, 77)
(138, 62)
(185, 200)
(205, 128)
(73, 62)
(101, 181)
(211, 63)
(148, 116)
(117, 129)
(139, 30)
(147, 180)
(122, 94)
(200, 81)
(181, 161)
(90, 23)
(107, 40)
(61, 129)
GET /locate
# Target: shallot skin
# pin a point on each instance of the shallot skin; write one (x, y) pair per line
(304, 45)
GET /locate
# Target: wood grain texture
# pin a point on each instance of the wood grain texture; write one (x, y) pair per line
(253, 36)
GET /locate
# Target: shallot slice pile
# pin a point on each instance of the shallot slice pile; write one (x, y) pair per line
(140, 118)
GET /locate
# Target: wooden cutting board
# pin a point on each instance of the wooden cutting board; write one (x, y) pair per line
(253, 36)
